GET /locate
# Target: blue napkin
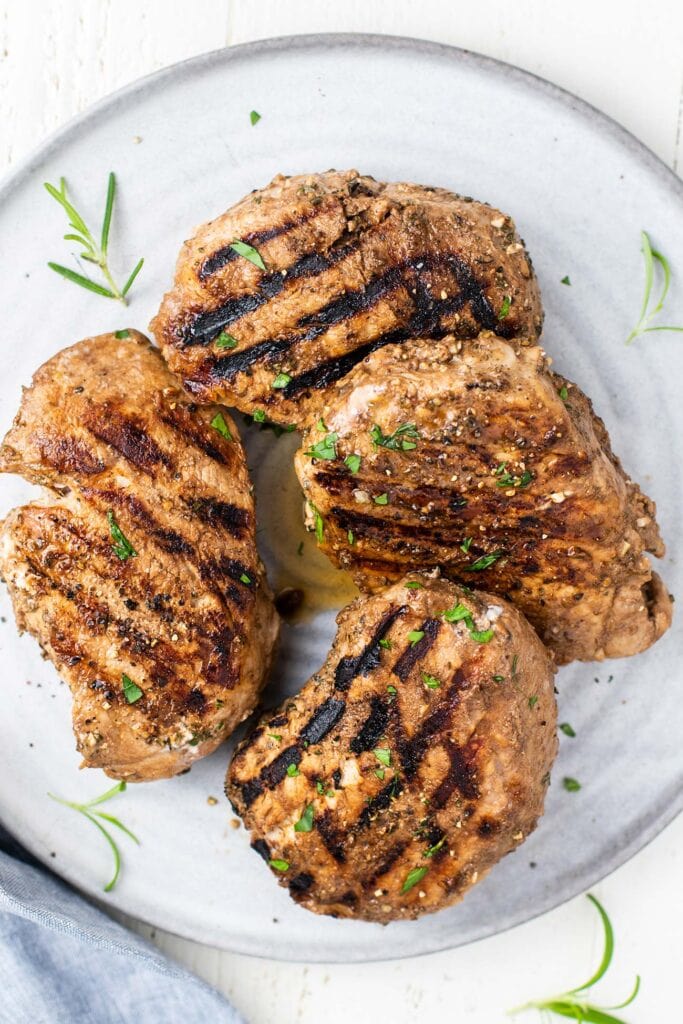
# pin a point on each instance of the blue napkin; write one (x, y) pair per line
(63, 961)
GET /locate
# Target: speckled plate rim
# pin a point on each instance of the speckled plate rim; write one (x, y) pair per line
(665, 812)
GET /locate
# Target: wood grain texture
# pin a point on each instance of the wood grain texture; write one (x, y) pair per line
(56, 58)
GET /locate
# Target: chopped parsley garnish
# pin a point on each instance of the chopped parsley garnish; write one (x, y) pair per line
(565, 280)
(571, 785)
(254, 117)
(130, 691)
(325, 449)
(319, 787)
(379, 772)
(415, 636)
(225, 340)
(460, 613)
(508, 480)
(533, 701)
(435, 848)
(567, 729)
(278, 864)
(352, 463)
(281, 381)
(249, 253)
(275, 736)
(484, 562)
(259, 416)
(350, 537)
(319, 523)
(122, 334)
(244, 578)
(381, 499)
(413, 877)
(386, 644)
(400, 440)
(414, 585)
(293, 771)
(383, 755)
(123, 548)
(431, 682)
(391, 689)
(218, 423)
(305, 822)
(505, 308)
(466, 545)
(498, 679)
(563, 393)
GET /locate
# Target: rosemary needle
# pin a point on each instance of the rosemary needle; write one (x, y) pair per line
(97, 817)
(652, 258)
(93, 251)
(573, 1004)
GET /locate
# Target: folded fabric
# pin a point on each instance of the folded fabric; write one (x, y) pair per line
(63, 961)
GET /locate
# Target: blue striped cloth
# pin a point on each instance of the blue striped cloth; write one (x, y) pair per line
(63, 961)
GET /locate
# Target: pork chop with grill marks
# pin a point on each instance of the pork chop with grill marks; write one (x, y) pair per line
(138, 572)
(411, 762)
(476, 457)
(351, 264)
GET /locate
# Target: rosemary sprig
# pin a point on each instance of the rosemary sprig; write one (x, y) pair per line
(573, 1004)
(652, 257)
(93, 251)
(87, 811)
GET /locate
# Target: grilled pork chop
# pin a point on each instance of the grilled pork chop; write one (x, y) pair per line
(411, 762)
(138, 572)
(474, 456)
(351, 264)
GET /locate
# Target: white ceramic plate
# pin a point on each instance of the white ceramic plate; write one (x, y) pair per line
(580, 190)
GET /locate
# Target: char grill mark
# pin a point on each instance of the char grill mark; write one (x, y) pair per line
(332, 840)
(69, 455)
(261, 847)
(411, 751)
(191, 432)
(396, 851)
(220, 514)
(227, 254)
(460, 775)
(206, 326)
(272, 775)
(125, 436)
(425, 321)
(323, 721)
(373, 727)
(369, 525)
(369, 658)
(378, 803)
(300, 883)
(315, 730)
(413, 654)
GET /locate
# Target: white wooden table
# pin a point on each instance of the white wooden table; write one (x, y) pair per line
(624, 56)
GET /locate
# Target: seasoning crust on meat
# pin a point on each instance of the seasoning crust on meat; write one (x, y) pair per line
(138, 572)
(351, 264)
(411, 762)
(473, 456)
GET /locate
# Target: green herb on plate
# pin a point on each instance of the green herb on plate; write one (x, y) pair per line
(652, 259)
(97, 817)
(574, 1004)
(93, 251)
